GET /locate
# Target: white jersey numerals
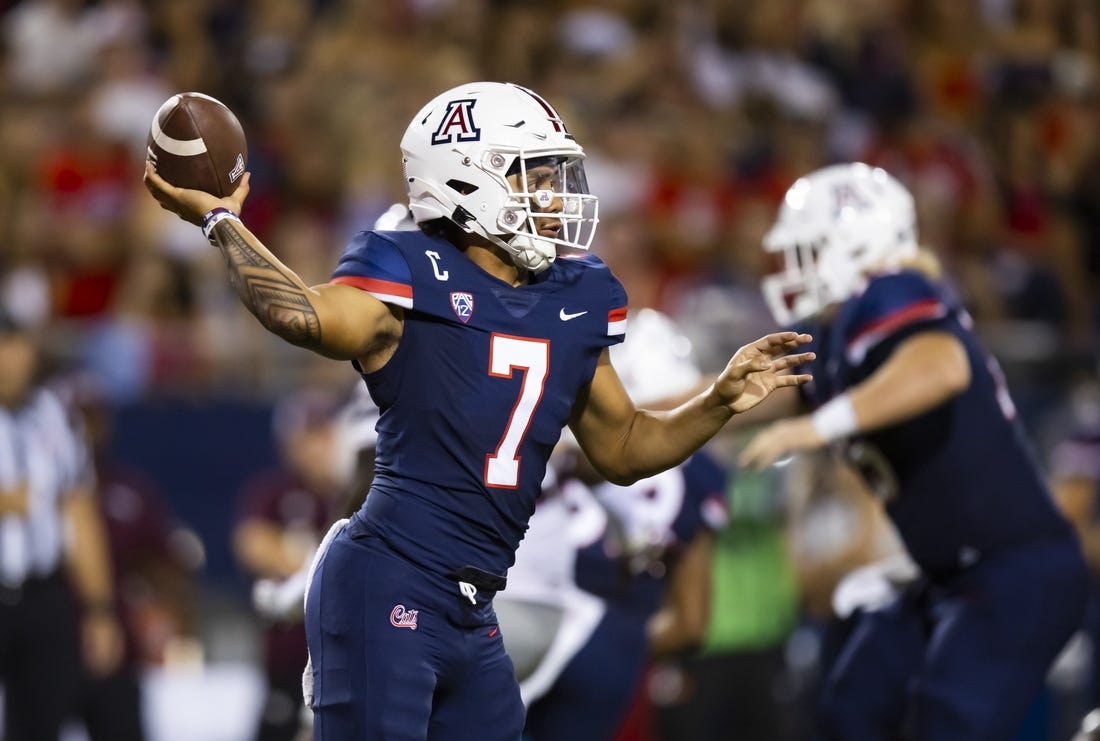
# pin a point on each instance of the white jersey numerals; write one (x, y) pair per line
(507, 354)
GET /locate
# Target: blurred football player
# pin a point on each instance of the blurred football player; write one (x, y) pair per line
(283, 514)
(479, 347)
(903, 389)
(153, 562)
(638, 555)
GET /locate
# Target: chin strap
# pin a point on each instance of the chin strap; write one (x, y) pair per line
(530, 253)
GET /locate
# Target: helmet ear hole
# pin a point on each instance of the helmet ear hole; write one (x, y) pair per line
(462, 187)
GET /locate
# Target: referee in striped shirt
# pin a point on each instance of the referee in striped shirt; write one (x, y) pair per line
(56, 601)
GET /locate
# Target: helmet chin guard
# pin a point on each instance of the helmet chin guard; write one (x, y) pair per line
(531, 253)
(497, 160)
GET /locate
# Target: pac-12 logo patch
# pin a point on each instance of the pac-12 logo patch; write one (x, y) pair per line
(402, 618)
(463, 304)
(457, 124)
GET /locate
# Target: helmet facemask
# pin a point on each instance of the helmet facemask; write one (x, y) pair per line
(549, 207)
(791, 288)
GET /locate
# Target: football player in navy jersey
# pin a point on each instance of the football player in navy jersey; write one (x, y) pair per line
(478, 347)
(902, 387)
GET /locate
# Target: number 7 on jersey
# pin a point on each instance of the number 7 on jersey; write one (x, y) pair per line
(507, 354)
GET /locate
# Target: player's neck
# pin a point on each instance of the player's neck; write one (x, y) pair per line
(492, 260)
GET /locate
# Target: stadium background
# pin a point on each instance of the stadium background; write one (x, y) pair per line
(696, 116)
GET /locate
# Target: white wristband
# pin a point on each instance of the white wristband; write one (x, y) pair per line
(835, 419)
(212, 218)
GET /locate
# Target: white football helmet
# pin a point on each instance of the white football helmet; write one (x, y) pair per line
(459, 151)
(655, 362)
(836, 226)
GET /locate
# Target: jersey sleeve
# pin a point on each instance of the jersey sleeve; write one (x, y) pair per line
(611, 295)
(373, 263)
(893, 307)
(616, 311)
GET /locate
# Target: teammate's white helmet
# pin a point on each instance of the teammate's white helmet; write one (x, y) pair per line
(397, 218)
(836, 226)
(655, 361)
(459, 151)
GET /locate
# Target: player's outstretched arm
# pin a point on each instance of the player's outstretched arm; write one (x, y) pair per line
(625, 443)
(923, 372)
(333, 320)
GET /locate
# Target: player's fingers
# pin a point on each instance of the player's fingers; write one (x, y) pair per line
(793, 379)
(793, 361)
(152, 180)
(768, 342)
(793, 343)
(241, 193)
(781, 341)
(155, 184)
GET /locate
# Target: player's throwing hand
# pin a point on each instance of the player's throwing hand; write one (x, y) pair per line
(758, 368)
(191, 205)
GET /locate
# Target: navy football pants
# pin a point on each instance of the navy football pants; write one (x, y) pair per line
(962, 660)
(400, 654)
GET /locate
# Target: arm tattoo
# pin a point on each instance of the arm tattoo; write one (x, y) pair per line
(267, 289)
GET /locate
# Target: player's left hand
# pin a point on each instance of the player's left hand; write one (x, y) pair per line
(756, 370)
(780, 439)
(191, 205)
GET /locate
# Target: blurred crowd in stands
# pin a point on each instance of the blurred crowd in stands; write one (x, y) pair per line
(696, 116)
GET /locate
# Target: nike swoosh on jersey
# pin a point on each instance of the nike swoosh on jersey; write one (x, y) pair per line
(566, 317)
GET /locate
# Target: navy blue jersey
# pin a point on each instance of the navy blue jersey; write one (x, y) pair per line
(959, 480)
(475, 397)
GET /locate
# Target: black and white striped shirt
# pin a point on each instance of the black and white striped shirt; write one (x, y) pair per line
(43, 449)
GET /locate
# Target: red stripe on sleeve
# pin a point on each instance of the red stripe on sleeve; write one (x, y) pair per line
(373, 285)
(928, 308)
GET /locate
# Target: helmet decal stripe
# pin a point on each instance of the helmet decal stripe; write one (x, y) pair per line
(551, 114)
(457, 124)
